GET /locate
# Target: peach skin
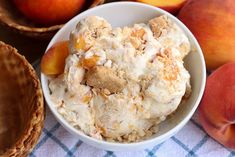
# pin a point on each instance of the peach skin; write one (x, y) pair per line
(49, 12)
(217, 108)
(172, 6)
(212, 22)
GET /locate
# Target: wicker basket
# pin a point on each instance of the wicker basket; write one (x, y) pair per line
(21, 104)
(10, 17)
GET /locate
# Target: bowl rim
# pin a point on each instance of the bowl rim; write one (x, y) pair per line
(146, 142)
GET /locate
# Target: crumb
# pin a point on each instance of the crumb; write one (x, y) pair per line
(104, 78)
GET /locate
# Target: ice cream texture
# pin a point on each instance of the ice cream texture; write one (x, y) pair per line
(120, 83)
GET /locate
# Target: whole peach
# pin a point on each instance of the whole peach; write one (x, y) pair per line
(217, 108)
(49, 12)
(212, 22)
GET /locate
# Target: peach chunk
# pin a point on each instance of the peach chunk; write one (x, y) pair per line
(80, 44)
(172, 6)
(87, 98)
(88, 63)
(53, 61)
(217, 108)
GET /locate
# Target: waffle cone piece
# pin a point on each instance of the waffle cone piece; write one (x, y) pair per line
(21, 104)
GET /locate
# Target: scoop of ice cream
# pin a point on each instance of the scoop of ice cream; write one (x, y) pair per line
(121, 83)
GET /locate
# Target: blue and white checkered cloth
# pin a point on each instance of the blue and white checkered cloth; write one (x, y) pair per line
(191, 141)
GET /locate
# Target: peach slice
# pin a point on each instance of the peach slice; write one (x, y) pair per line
(53, 61)
(217, 108)
(172, 6)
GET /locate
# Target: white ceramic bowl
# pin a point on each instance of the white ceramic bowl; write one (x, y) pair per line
(128, 13)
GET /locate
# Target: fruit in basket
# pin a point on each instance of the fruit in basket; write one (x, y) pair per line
(212, 23)
(49, 12)
(53, 61)
(172, 6)
(217, 108)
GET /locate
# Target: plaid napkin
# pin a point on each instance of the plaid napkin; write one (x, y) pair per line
(191, 141)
